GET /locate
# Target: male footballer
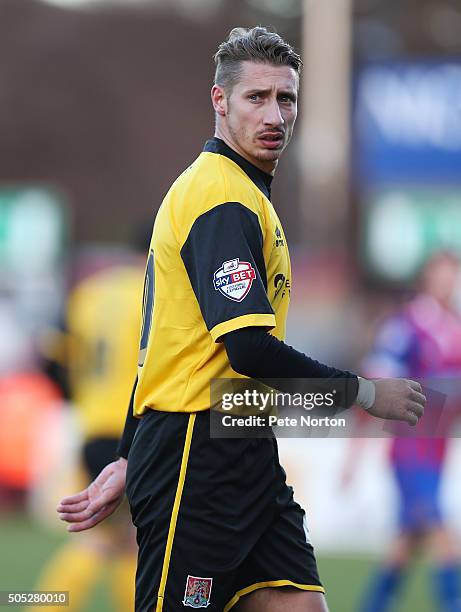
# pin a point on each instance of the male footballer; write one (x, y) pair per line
(217, 525)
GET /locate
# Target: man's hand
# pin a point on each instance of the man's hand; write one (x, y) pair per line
(398, 399)
(98, 501)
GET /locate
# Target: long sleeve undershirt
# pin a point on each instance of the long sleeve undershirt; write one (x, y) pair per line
(257, 354)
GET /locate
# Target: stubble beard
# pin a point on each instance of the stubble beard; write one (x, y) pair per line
(269, 154)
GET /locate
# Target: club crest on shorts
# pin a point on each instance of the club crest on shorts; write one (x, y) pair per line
(234, 279)
(198, 592)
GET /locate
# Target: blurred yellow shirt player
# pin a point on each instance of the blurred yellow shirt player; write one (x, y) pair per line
(104, 321)
(103, 326)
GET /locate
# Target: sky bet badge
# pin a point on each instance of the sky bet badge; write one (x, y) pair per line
(234, 279)
(198, 592)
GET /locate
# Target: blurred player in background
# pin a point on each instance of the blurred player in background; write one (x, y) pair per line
(422, 340)
(103, 323)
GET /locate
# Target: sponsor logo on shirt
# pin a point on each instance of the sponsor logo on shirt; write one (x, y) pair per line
(234, 279)
(279, 241)
(281, 284)
(198, 592)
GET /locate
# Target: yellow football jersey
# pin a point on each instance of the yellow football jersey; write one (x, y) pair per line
(103, 320)
(218, 262)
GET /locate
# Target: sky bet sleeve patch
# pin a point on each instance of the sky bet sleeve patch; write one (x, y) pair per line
(224, 260)
(234, 279)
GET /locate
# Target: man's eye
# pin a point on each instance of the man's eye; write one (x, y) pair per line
(286, 99)
(254, 97)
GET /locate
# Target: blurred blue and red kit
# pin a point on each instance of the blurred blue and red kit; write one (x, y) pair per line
(422, 341)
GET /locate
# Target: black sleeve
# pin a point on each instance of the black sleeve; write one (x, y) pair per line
(131, 424)
(256, 354)
(223, 256)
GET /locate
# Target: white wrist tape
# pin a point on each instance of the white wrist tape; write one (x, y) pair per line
(367, 393)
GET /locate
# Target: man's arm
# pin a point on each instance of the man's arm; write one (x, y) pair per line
(103, 496)
(131, 425)
(231, 232)
(257, 354)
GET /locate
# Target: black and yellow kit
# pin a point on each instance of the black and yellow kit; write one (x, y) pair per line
(219, 262)
(215, 517)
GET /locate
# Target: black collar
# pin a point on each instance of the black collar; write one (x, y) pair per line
(261, 179)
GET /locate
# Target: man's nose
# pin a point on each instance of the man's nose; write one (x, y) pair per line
(272, 115)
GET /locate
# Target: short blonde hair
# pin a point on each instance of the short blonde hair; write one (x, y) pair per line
(256, 44)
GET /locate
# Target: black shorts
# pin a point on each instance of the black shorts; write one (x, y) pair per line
(97, 453)
(215, 518)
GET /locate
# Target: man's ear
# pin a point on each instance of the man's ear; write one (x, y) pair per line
(219, 100)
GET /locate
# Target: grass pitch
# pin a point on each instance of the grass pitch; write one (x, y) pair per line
(25, 548)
